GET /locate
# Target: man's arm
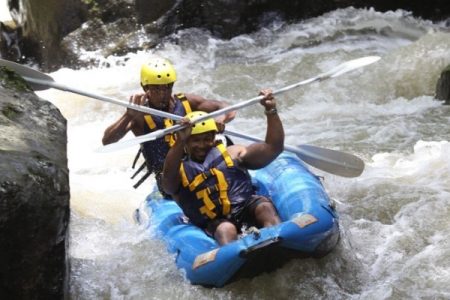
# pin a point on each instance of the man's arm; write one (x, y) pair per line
(171, 172)
(208, 105)
(117, 130)
(259, 155)
(128, 121)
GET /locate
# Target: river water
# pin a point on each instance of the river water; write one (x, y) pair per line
(395, 217)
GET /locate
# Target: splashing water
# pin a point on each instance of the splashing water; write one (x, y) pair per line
(395, 242)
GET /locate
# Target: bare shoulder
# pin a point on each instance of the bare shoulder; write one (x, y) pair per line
(194, 100)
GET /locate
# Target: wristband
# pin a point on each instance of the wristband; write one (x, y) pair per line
(271, 111)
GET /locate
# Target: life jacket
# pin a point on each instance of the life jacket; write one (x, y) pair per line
(155, 151)
(211, 189)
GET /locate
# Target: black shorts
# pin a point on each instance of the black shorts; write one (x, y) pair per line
(240, 214)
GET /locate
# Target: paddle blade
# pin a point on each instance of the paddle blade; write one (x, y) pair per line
(28, 74)
(123, 144)
(331, 161)
(352, 65)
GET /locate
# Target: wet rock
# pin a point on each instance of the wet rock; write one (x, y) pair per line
(53, 32)
(34, 194)
(117, 38)
(443, 86)
(109, 11)
(150, 11)
(43, 24)
(227, 18)
(10, 37)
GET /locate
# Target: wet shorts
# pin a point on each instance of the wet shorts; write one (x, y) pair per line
(244, 213)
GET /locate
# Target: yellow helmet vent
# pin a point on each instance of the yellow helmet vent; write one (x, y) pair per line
(203, 126)
(158, 71)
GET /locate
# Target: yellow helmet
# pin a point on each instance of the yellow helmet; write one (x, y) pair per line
(203, 126)
(157, 71)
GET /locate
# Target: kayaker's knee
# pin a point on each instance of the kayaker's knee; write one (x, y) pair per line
(225, 233)
(266, 214)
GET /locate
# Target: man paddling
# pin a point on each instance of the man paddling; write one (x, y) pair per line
(210, 182)
(157, 79)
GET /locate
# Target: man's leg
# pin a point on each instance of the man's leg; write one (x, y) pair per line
(225, 233)
(265, 213)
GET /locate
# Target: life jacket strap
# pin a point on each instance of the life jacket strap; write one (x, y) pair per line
(143, 165)
(136, 158)
(204, 193)
(139, 169)
(170, 138)
(223, 149)
(146, 175)
(184, 100)
(150, 122)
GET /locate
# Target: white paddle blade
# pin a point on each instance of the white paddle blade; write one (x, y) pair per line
(331, 161)
(352, 65)
(123, 144)
(28, 73)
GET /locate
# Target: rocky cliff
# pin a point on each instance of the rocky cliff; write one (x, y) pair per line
(34, 194)
(54, 31)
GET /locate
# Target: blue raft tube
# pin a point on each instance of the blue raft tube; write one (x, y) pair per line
(309, 228)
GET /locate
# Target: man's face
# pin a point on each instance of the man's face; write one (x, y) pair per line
(199, 145)
(159, 95)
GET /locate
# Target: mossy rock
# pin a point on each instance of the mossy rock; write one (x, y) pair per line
(10, 80)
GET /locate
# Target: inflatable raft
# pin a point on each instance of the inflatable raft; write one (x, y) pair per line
(309, 228)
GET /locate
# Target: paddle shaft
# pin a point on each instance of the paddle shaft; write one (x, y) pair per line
(33, 76)
(163, 114)
(336, 71)
(163, 132)
(331, 161)
(137, 107)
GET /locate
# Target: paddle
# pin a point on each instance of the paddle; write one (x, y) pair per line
(336, 71)
(39, 81)
(332, 161)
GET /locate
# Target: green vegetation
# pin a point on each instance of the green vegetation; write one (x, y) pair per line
(10, 111)
(94, 8)
(9, 79)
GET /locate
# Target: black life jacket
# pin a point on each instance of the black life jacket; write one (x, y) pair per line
(155, 151)
(211, 189)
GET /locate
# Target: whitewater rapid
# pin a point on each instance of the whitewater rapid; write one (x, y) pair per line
(395, 216)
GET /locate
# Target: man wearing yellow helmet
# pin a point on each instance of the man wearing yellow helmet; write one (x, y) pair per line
(211, 183)
(157, 80)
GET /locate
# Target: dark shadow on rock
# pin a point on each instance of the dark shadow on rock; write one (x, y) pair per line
(34, 194)
(443, 86)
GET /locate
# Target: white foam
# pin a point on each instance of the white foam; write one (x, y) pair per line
(4, 11)
(429, 164)
(394, 216)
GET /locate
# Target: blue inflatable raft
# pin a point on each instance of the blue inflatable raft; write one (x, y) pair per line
(309, 228)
